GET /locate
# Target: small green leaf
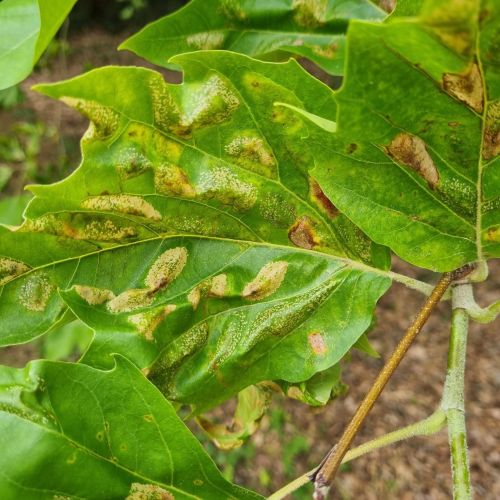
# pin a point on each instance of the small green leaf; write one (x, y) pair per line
(98, 435)
(415, 162)
(314, 29)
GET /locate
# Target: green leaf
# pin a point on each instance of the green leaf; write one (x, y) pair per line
(98, 435)
(66, 341)
(415, 162)
(320, 389)
(314, 29)
(193, 239)
(26, 28)
(12, 208)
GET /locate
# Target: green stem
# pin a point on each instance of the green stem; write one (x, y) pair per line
(453, 397)
(426, 427)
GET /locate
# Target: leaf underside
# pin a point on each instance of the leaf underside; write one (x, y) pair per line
(127, 443)
(314, 29)
(418, 134)
(192, 238)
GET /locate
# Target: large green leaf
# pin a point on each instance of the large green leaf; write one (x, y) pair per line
(415, 160)
(314, 29)
(193, 239)
(71, 431)
(26, 28)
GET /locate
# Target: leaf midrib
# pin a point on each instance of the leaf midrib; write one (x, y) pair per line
(417, 284)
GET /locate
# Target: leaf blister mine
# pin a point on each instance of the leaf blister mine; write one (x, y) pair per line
(491, 144)
(267, 281)
(93, 295)
(302, 233)
(253, 153)
(411, 151)
(35, 292)
(105, 121)
(139, 491)
(9, 269)
(166, 268)
(212, 287)
(147, 322)
(123, 203)
(223, 185)
(310, 13)
(207, 40)
(466, 87)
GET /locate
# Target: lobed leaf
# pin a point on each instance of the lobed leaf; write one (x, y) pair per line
(193, 238)
(314, 29)
(128, 441)
(418, 142)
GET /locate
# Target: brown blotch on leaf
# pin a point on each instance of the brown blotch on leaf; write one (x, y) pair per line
(491, 142)
(320, 198)
(351, 148)
(466, 87)
(302, 233)
(140, 491)
(410, 150)
(317, 343)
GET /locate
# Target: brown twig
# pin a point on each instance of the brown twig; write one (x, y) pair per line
(324, 474)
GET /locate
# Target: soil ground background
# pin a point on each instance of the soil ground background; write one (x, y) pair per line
(293, 437)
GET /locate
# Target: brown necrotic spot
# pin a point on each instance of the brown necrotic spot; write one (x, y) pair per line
(466, 87)
(123, 203)
(491, 143)
(267, 281)
(130, 300)
(410, 150)
(147, 322)
(9, 269)
(321, 199)
(140, 491)
(317, 343)
(170, 179)
(166, 268)
(302, 233)
(94, 296)
(35, 292)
